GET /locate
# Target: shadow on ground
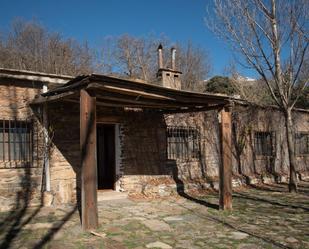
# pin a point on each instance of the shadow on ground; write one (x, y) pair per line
(260, 219)
(14, 224)
(267, 212)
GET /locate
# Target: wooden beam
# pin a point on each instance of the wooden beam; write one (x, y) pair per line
(154, 89)
(139, 100)
(54, 98)
(194, 109)
(225, 170)
(88, 161)
(130, 92)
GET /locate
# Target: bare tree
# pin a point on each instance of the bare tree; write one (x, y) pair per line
(272, 37)
(30, 46)
(131, 56)
(195, 65)
(136, 57)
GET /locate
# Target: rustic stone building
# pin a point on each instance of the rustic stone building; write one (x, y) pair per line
(146, 139)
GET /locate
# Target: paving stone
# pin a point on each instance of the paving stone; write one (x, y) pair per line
(173, 218)
(248, 246)
(140, 223)
(76, 229)
(158, 244)
(59, 235)
(118, 238)
(291, 240)
(35, 226)
(239, 235)
(156, 225)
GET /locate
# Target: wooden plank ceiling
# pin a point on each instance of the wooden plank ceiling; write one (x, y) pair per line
(116, 92)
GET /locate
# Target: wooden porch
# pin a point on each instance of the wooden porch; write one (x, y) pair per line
(99, 90)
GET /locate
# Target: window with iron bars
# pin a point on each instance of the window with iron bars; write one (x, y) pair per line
(264, 143)
(183, 143)
(302, 143)
(15, 141)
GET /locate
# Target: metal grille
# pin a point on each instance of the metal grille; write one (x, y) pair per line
(183, 143)
(302, 143)
(264, 143)
(15, 140)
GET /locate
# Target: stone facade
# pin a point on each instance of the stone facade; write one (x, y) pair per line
(64, 152)
(20, 184)
(271, 120)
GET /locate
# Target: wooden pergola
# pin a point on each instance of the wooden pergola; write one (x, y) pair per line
(99, 90)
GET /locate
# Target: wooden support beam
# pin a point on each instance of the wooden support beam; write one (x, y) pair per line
(225, 170)
(130, 92)
(183, 96)
(59, 97)
(194, 109)
(88, 161)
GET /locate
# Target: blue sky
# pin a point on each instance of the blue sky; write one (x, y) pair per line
(179, 20)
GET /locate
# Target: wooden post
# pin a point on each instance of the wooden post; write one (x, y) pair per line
(88, 161)
(225, 171)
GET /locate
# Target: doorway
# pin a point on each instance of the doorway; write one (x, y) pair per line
(106, 156)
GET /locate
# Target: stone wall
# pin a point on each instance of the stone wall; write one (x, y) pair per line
(257, 119)
(250, 119)
(207, 165)
(64, 152)
(20, 183)
(143, 147)
(142, 139)
(144, 143)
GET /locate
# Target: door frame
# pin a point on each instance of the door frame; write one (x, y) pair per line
(117, 143)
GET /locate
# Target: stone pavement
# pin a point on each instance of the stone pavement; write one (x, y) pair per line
(265, 216)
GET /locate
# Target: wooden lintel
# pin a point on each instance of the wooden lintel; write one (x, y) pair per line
(225, 170)
(88, 161)
(53, 98)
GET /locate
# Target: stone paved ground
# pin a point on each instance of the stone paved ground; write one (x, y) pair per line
(263, 217)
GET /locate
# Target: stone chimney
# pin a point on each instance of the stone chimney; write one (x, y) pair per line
(168, 77)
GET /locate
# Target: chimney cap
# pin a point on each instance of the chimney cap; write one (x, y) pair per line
(160, 46)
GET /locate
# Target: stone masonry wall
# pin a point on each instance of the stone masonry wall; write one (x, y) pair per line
(143, 151)
(20, 184)
(143, 148)
(271, 120)
(207, 165)
(65, 151)
(144, 143)
(206, 170)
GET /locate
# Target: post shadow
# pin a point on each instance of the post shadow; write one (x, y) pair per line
(275, 203)
(180, 187)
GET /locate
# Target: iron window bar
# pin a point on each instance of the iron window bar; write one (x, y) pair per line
(264, 143)
(301, 143)
(16, 141)
(183, 143)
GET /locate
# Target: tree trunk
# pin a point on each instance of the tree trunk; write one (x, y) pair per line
(291, 151)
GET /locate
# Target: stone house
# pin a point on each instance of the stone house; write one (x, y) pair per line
(62, 139)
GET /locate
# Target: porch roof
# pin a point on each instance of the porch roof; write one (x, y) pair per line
(117, 92)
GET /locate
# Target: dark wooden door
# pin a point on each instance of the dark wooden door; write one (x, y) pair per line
(106, 156)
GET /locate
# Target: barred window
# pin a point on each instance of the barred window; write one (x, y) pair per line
(264, 143)
(15, 140)
(302, 143)
(183, 143)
